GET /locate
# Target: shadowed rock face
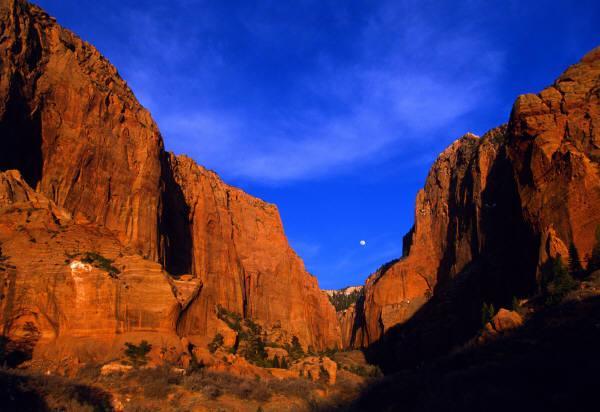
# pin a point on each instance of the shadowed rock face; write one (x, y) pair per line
(492, 211)
(82, 142)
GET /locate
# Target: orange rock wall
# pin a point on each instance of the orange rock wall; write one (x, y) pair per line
(79, 137)
(504, 203)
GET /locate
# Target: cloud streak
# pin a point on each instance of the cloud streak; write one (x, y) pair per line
(408, 78)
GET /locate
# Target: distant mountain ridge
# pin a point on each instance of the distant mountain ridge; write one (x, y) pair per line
(346, 291)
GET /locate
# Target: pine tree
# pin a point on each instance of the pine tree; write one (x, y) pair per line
(295, 350)
(594, 261)
(515, 304)
(487, 313)
(276, 362)
(284, 364)
(557, 282)
(575, 268)
(137, 353)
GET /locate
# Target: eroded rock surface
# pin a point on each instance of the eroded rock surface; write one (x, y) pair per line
(243, 259)
(72, 127)
(492, 211)
(59, 301)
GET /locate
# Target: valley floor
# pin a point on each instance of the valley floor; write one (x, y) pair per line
(168, 389)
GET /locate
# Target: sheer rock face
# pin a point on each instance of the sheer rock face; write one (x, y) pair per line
(74, 129)
(241, 255)
(53, 300)
(555, 150)
(446, 236)
(502, 203)
(80, 139)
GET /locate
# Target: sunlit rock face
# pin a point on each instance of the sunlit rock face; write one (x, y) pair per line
(74, 129)
(84, 145)
(54, 300)
(241, 255)
(495, 208)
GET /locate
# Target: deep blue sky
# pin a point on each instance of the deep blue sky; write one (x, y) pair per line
(333, 110)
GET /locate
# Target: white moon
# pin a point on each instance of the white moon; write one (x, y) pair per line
(363, 242)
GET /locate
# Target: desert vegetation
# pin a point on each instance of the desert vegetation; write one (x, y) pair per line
(342, 300)
(97, 260)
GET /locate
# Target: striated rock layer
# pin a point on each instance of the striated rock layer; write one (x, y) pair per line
(492, 211)
(52, 300)
(243, 259)
(82, 142)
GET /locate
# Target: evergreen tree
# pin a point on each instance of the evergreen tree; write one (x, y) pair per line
(216, 343)
(515, 304)
(487, 313)
(575, 268)
(295, 350)
(137, 353)
(594, 261)
(284, 364)
(276, 362)
(556, 281)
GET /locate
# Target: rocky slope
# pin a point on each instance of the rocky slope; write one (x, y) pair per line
(493, 210)
(84, 145)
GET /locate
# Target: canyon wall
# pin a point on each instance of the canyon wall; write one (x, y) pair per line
(79, 138)
(492, 211)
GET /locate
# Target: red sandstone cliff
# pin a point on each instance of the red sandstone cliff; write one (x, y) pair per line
(80, 139)
(242, 256)
(492, 211)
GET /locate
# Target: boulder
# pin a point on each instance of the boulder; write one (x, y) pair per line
(279, 352)
(316, 368)
(115, 367)
(506, 320)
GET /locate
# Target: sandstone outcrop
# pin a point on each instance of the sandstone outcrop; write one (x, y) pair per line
(492, 211)
(502, 322)
(242, 257)
(316, 369)
(70, 287)
(72, 127)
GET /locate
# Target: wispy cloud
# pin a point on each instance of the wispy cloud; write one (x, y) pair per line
(409, 76)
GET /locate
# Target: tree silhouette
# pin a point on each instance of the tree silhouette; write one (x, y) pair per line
(594, 261)
(575, 268)
(556, 281)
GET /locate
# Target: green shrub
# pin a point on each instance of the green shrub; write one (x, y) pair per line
(329, 352)
(575, 268)
(515, 304)
(487, 313)
(137, 353)
(342, 301)
(594, 260)
(216, 343)
(95, 259)
(254, 350)
(232, 319)
(556, 281)
(295, 349)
